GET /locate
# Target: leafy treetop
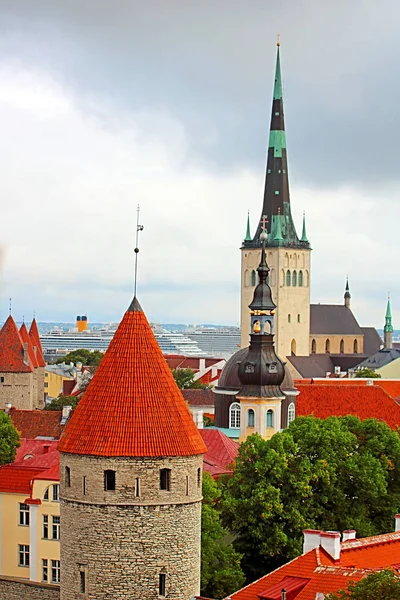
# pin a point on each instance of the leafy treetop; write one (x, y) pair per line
(61, 401)
(9, 439)
(384, 585)
(369, 373)
(86, 357)
(185, 379)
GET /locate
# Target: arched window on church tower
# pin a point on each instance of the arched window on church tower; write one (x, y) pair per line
(282, 277)
(307, 283)
(246, 278)
(341, 346)
(313, 347)
(300, 278)
(253, 278)
(355, 347)
(293, 347)
(270, 418)
(250, 418)
(294, 278)
(286, 259)
(288, 278)
(328, 346)
(234, 415)
(291, 413)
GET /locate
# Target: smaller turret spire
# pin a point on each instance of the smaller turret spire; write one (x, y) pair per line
(304, 232)
(278, 229)
(248, 235)
(347, 296)
(388, 328)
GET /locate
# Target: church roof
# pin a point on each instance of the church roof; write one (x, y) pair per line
(23, 332)
(35, 337)
(372, 340)
(132, 406)
(333, 319)
(12, 350)
(381, 358)
(318, 365)
(221, 452)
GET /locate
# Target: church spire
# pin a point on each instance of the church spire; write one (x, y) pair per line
(304, 232)
(388, 329)
(347, 296)
(276, 191)
(248, 234)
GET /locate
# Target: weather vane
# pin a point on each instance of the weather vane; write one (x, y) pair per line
(138, 228)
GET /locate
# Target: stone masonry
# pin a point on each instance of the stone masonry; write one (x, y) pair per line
(122, 541)
(14, 589)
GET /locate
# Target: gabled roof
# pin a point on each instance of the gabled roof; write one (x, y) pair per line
(221, 452)
(381, 358)
(372, 340)
(339, 399)
(35, 337)
(333, 319)
(34, 423)
(12, 350)
(132, 406)
(23, 332)
(35, 459)
(199, 397)
(17, 480)
(318, 365)
(320, 574)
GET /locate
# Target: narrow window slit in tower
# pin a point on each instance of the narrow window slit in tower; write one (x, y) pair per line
(109, 481)
(82, 582)
(161, 583)
(165, 479)
(187, 485)
(198, 477)
(84, 485)
(137, 487)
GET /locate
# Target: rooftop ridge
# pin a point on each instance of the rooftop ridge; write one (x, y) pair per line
(370, 541)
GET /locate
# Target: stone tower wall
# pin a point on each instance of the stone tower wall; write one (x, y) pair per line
(293, 300)
(17, 388)
(123, 542)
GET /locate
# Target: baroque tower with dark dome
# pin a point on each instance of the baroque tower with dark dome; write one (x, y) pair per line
(131, 474)
(255, 393)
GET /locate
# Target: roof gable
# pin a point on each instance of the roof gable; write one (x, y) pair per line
(34, 423)
(333, 319)
(12, 350)
(132, 406)
(23, 332)
(221, 452)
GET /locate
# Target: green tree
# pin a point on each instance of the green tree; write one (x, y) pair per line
(61, 401)
(9, 439)
(369, 373)
(384, 585)
(333, 474)
(185, 379)
(221, 573)
(86, 357)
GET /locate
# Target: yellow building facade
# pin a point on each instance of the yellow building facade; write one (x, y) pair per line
(53, 381)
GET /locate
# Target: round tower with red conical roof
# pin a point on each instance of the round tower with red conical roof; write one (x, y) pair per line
(131, 470)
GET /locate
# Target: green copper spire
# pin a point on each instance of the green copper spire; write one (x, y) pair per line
(304, 234)
(278, 77)
(248, 235)
(388, 318)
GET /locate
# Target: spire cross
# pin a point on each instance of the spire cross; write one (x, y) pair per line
(264, 222)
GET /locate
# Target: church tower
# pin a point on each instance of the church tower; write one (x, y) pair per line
(131, 473)
(288, 256)
(261, 372)
(388, 328)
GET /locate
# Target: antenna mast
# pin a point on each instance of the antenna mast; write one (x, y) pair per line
(138, 228)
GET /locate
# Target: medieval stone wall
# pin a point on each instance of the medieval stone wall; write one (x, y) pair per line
(17, 388)
(120, 542)
(14, 589)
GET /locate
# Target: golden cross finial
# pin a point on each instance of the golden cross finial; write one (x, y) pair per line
(278, 43)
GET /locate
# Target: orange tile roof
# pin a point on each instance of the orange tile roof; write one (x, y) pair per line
(35, 337)
(34, 423)
(358, 558)
(132, 406)
(12, 349)
(365, 402)
(23, 332)
(17, 480)
(221, 452)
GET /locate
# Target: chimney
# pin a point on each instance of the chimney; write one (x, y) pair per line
(8, 407)
(397, 523)
(66, 411)
(312, 539)
(349, 534)
(46, 449)
(330, 542)
(328, 374)
(26, 357)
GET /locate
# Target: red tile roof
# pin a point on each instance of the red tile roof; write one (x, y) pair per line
(221, 452)
(365, 402)
(35, 459)
(34, 423)
(132, 406)
(23, 332)
(35, 337)
(199, 397)
(12, 349)
(17, 480)
(357, 558)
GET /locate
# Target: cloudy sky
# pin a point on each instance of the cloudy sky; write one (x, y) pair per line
(166, 103)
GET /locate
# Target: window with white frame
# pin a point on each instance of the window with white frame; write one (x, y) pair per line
(23, 555)
(291, 413)
(24, 514)
(56, 528)
(45, 527)
(56, 492)
(234, 415)
(270, 418)
(45, 569)
(55, 571)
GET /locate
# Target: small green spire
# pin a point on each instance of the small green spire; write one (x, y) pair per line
(278, 230)
(248, 235)
(388, 318)
(278, 77)
(304, 233)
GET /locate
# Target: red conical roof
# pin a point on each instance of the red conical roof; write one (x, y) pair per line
(23, 332)
(132, 406)
(35, 337)
(12, 350)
